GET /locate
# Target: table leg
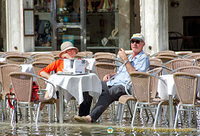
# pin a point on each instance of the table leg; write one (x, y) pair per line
(170, 111)
(60, 105)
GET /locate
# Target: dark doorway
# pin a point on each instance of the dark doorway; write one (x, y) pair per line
(191, 32)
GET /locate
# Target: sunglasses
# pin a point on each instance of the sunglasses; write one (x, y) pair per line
(137, 41)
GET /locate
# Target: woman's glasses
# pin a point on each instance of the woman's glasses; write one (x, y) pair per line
(137, 41)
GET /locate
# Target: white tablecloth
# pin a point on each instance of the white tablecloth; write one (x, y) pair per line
(166, 86)
(75, 85)
(27, 68)
(2, 59)
(91, 64)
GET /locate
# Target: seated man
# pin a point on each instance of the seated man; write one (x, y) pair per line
(68, 51)
(113, 85)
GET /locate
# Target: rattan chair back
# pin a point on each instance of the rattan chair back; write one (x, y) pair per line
(39, 55)
(37, 67)
(16, 59)
(22, 83)
(44, 59)
(156, 72)
(165, 59)
(106, 54)
(188, 69)
(193, 55)
(103, 68)
(154, 63)
(177, 63)
(4, 76)
(84, 54)
(141, 86)
(186, 87)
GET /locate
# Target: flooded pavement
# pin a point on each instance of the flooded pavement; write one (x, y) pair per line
(105, 126)
(77, 129)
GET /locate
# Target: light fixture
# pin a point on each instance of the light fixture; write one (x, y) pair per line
(174, 4)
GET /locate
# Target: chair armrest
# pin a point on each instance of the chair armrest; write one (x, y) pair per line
(54, 88)
(128, 85)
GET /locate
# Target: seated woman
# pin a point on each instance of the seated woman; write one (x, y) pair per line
(68, 51)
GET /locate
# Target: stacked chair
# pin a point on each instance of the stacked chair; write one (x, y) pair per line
(16, 59)
(84, 54)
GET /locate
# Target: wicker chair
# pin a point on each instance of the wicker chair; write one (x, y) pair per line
(4, 77)
(39, 55)
(44, 59)
(177, 63)
(103, 68)
(164, 53)
(84, 54)
(187, 69)
(165, 59)
(125, 99)
(2, 108)
(3, 63)
(107, 54)
(154, 63)
(16, 59)
(22, 83)
(5, 81)
(108, 59)
(141, 82)
(192, 55)
(37, 67)
(186, 89)
(55, 53)
(197, 60)
(105, 59)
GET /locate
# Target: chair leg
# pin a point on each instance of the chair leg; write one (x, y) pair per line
(130, 109)
(119, 110)
(156, 117)
(12, 117)
(134, 113)
(176, 118)
(3, 114)
(49, 112)
(30, 112)
(121, 114)
(38, 113)
(189, 117)
(56, 112)
(5, 109)
(195, 117)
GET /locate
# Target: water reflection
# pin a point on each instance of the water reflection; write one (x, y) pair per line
(77, 129)
(104, 127)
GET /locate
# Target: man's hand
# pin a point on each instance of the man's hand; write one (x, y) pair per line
(106, 77)
(122, 55)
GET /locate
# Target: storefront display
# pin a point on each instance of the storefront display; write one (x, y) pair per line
(101, 23)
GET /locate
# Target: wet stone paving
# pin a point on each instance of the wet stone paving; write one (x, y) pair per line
(106, 125)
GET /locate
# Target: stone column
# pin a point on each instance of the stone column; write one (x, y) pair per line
(154, 24)
(15, 40)
(14, 25)
(124, 24)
